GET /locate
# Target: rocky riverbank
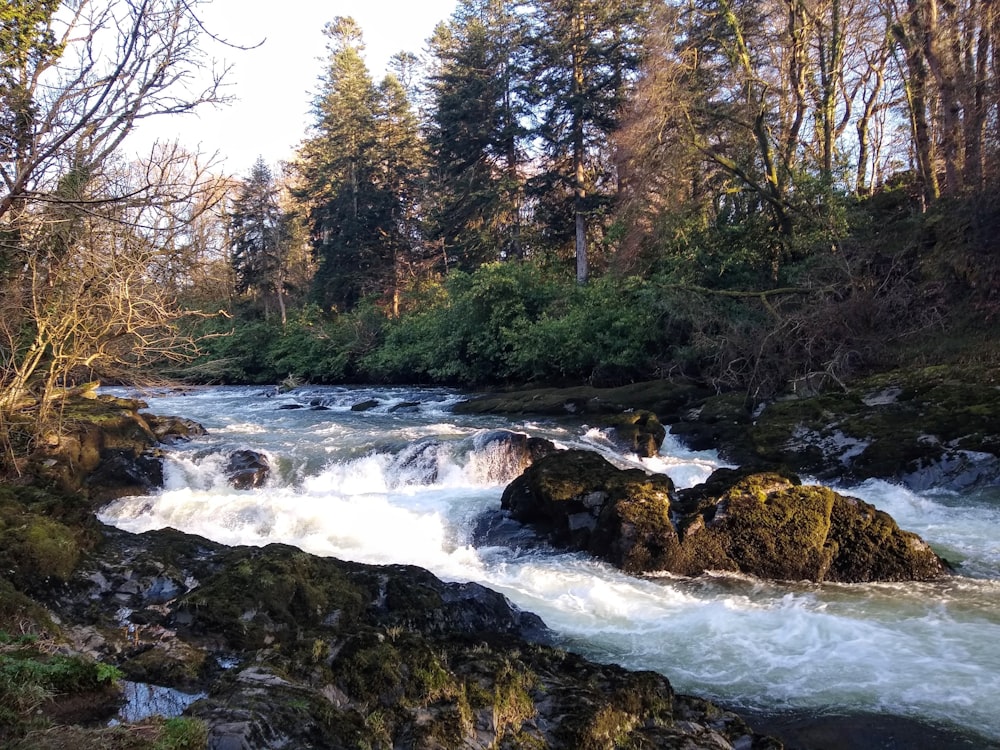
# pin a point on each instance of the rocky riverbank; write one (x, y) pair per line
(927, 427)
(273, 647)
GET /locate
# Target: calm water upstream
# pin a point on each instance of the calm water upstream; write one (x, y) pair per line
(407, 486)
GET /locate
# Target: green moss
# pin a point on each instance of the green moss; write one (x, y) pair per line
(181, 733)
(21, 614)
(272, 594)
(512, 702)
(34, 548)
(30, 678)
(874, 548)
(371, 670)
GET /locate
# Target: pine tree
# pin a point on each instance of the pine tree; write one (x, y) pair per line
(399, 175)
(477, 131)
(586, 55)
(256, 229)
(354, 175)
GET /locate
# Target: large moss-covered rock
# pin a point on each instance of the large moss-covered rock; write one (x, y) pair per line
(772, 526)
(763, 524)
(293, 650)
(583, 502)
(105, 446)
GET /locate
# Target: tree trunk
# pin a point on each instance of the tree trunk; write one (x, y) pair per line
(579, 175)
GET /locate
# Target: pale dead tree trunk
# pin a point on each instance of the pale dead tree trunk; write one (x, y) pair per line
(798, 73)
(939, 40)
(874, 81)
(976, 49)
(830, 47)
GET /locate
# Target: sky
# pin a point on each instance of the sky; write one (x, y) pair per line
(275, 82)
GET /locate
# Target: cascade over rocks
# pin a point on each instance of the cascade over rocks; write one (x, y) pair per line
(763, 524)
(504, 454)
(280, 648)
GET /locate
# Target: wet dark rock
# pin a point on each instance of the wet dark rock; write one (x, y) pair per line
(170, 430)
(763, 524)
(638, 432)
(496, 528)
(121, 473)
(247, 469)
(367, 405)
(406, 407)
(290, 407)
(108, 448)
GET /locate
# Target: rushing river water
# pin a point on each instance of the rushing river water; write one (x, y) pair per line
(406, 485)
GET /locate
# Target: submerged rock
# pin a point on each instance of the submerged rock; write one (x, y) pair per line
(762, 524)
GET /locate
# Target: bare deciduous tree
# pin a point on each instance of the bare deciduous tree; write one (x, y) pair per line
(84, 234)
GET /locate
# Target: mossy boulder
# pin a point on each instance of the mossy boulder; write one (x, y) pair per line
(772, 526)
(42, 536)
(763, 524)
(581, 501)
(106, 447)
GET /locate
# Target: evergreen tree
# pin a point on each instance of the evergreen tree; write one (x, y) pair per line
(398, 179)
(586, 55)
(477, 130)
(257, 229)
(357, 176)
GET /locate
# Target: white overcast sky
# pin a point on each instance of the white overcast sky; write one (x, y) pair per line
(274, 83)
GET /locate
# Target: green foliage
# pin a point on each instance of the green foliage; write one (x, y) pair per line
(469, 334)
(29, 678)
(180, 733)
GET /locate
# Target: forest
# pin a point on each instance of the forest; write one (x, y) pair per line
(763, 196)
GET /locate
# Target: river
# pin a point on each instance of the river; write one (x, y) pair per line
(401, 483)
